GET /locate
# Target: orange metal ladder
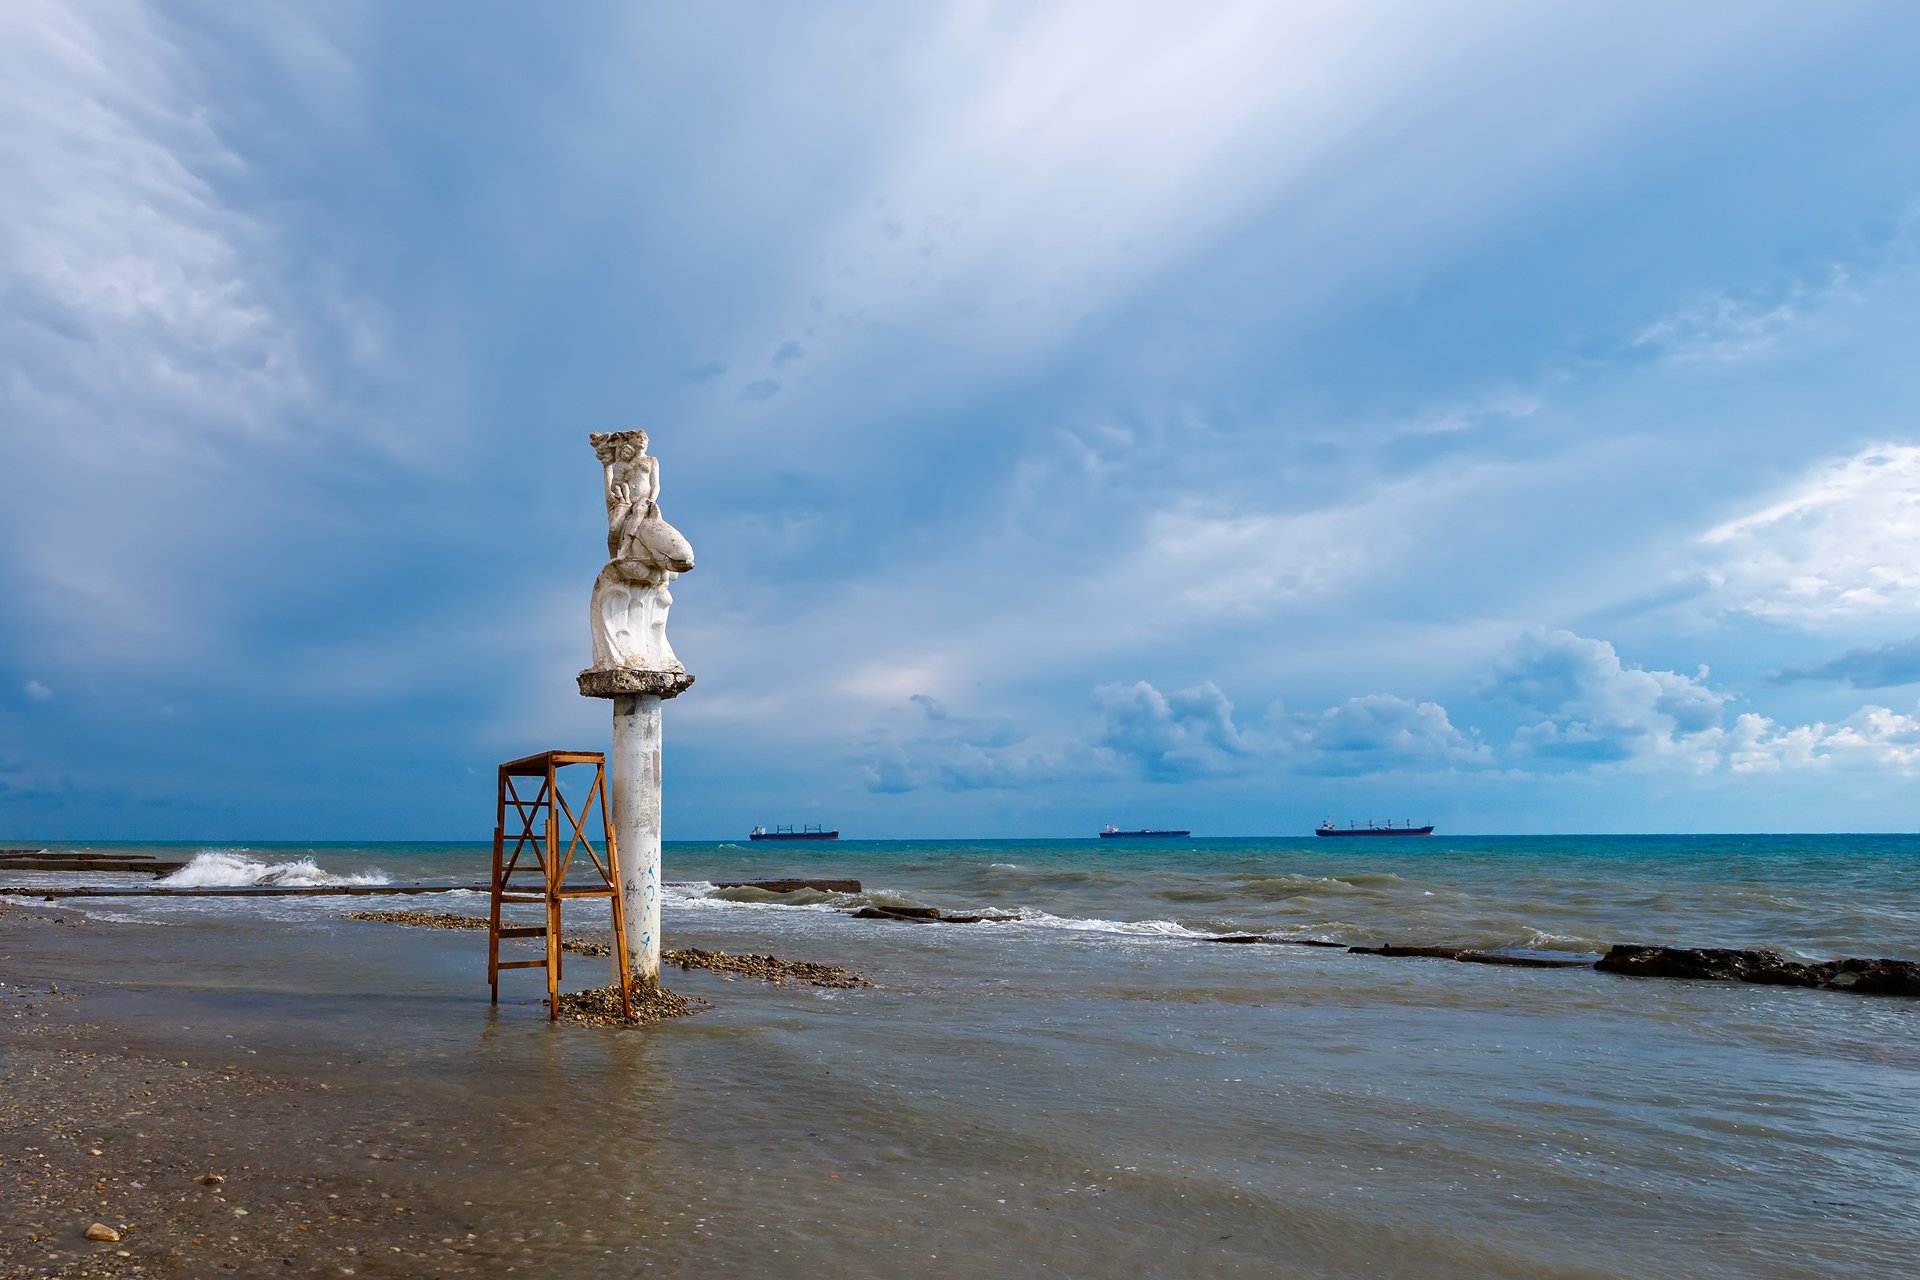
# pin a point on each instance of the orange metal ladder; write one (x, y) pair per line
(539, 831)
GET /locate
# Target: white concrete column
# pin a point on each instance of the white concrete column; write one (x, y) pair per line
(633, 774)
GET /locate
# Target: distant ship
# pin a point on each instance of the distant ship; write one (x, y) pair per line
(1115, 833)
(1328, 829)
(788, 833)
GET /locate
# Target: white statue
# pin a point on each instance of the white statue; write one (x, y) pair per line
(645, 553)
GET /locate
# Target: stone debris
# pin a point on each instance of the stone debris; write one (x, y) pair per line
(600, 1007)
(101, 1231)
(420, 919)
(768, 968)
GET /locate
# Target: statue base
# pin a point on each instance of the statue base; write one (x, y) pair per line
(622, 682)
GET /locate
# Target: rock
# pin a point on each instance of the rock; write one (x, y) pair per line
(1719, 964)
(1873, 977)
(212, 1179)
(791, 886)
(1395, 949)
(896, 913)
(1857, 974)
(101, 1231)
(1243, 938)
(1524, 960)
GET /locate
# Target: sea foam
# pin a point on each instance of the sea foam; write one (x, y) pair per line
(229, 868)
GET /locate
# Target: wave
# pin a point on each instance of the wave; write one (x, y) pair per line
(226, 868)
(1095, 924)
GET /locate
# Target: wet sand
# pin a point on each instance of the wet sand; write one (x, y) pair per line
(202, 1162)
(1030, 1099)
(210, 1143)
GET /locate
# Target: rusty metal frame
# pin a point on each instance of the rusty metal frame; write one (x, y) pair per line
(539, 820)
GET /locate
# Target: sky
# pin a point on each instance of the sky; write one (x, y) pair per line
(1220, 415)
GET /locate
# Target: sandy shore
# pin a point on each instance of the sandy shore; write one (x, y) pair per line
(212, 1134)
(201, 1166)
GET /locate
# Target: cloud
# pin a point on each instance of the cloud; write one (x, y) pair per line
(1169, 736)
(935, 709)
(1872, 736)
(889, 772)
(1843, 543)
(1139, 732)
(37, 692)
(1881, 668)
(1596, 709)
(163, 348)
(1724, 329)
(1379, 732)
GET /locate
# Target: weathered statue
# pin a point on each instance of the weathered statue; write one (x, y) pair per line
(645, 553)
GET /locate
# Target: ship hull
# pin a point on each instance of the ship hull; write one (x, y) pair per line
(1373, 831)
(1141, 835)
(794, 835)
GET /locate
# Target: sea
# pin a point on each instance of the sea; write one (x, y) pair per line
(1084, 1084)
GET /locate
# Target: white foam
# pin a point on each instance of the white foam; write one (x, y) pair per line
(228, 868)
(1094, 924)
(700, 895)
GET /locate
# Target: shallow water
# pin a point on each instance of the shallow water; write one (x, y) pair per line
(1085, 1090)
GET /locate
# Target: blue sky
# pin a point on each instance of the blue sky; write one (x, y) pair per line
(1221, 415)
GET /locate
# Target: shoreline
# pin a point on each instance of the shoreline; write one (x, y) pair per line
(1053, 1103)
(201, 1163)
(224, 1132)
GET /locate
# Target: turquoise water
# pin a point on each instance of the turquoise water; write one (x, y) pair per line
(1089, 1088)
(1812, 896)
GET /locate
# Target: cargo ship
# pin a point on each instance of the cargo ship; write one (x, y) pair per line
(788, 833)
(1115, 833)
(1328, 829)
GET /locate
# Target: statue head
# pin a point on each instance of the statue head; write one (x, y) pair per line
(624, 446)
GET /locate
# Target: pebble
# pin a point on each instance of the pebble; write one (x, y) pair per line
(101, 1231)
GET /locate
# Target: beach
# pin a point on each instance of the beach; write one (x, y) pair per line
(1078, 1084)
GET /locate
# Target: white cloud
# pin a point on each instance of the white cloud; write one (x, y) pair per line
(1842, 544)
(1380, 732)
(1600, 712)
(1143, 733)
(129, 275)
(1190, 733)
(167, 398)
(37, 692)
(1721, 329)
(1873, 736)
(1038, 166)
(1595, 709)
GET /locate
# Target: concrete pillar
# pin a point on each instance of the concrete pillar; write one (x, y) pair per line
(633, 774)
(633, 792)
